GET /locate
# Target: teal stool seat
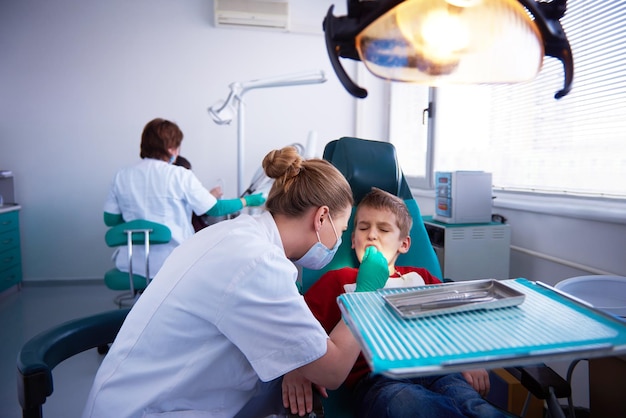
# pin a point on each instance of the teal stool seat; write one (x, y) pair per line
(133, 233)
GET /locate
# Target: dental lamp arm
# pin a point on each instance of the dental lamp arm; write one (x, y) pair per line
(311, 77)
(223, 112)
(556, 45)
(340, 33)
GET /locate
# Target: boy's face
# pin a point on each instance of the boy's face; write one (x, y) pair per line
(378, 228)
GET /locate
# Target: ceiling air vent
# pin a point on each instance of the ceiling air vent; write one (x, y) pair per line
(272, 14)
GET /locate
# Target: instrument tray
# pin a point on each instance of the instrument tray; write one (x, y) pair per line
(453, 297)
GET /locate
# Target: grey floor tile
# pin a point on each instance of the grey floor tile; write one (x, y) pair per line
(33, 309)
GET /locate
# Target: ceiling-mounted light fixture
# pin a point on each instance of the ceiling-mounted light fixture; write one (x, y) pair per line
(437, 42)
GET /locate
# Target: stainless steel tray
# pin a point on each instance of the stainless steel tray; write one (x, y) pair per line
(453, 297)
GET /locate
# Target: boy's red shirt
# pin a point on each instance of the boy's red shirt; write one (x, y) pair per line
(322, 300)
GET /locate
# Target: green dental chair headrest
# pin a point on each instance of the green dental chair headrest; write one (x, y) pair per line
(367, 164)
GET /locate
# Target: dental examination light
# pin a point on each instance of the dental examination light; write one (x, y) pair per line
(224, 111)
(436, 42)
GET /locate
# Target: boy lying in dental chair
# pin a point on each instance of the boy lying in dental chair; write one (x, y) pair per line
(382, 224)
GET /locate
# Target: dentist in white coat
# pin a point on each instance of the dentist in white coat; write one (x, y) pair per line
(223, 320)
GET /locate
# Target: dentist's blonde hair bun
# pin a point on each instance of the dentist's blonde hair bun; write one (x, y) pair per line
(282, 165)
(301, 184)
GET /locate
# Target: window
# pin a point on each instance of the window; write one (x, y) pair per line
(409, 131)
(526, 138)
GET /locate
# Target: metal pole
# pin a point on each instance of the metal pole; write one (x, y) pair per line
(240, 145)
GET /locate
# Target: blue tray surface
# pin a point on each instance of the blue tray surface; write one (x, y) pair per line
(546, 323)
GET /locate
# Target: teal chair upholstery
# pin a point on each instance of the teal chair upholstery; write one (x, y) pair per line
(133, 233)
(42, 353)
(367, 164)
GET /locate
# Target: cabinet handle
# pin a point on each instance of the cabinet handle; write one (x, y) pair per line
(7, 223)
(10, 278)
(8, 259)
(7, 241)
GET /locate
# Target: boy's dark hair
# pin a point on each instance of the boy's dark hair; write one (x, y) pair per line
(380, 199)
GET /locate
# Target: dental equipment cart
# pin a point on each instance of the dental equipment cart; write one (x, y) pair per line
(547, 325)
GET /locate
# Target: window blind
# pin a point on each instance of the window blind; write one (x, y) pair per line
(533, 142)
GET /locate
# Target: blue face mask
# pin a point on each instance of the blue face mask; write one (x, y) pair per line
(172, 159)
(318, 255)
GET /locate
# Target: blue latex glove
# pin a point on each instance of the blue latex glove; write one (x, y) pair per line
(254, 199)
(373, 271)
(225, 206)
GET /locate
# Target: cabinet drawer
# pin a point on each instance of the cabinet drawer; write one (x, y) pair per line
(9, 239)
(9, 220)
(10, 277)
(9, 258)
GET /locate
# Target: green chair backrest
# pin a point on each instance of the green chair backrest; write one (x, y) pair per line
(159, 233)
(367, 164)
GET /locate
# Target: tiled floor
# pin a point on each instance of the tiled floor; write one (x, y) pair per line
(33, 309)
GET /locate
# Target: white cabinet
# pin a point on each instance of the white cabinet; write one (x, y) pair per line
(471, 251)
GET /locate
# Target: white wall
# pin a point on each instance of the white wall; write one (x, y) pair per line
(79, 80)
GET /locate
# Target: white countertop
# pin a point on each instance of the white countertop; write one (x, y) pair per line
(9, 207)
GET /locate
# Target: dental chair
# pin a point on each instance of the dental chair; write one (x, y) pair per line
(367, 164)
(42, 353)
(134, 233)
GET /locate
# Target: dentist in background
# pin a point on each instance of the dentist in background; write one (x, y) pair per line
(156, 190)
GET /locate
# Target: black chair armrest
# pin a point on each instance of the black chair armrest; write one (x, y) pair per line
(45, 351)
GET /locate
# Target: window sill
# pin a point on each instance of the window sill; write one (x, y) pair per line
(601, 210)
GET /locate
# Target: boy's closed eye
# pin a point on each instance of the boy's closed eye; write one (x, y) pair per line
(363, 226)
(382, 227)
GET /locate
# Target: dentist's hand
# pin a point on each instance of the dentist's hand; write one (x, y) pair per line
(373, 272)
(254, 199)
(298, 393)
(217, 192)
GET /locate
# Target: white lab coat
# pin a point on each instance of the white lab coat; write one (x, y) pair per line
(223, 312)
(159, 192)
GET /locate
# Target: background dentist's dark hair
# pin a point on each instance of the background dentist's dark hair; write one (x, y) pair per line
(158, 137)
